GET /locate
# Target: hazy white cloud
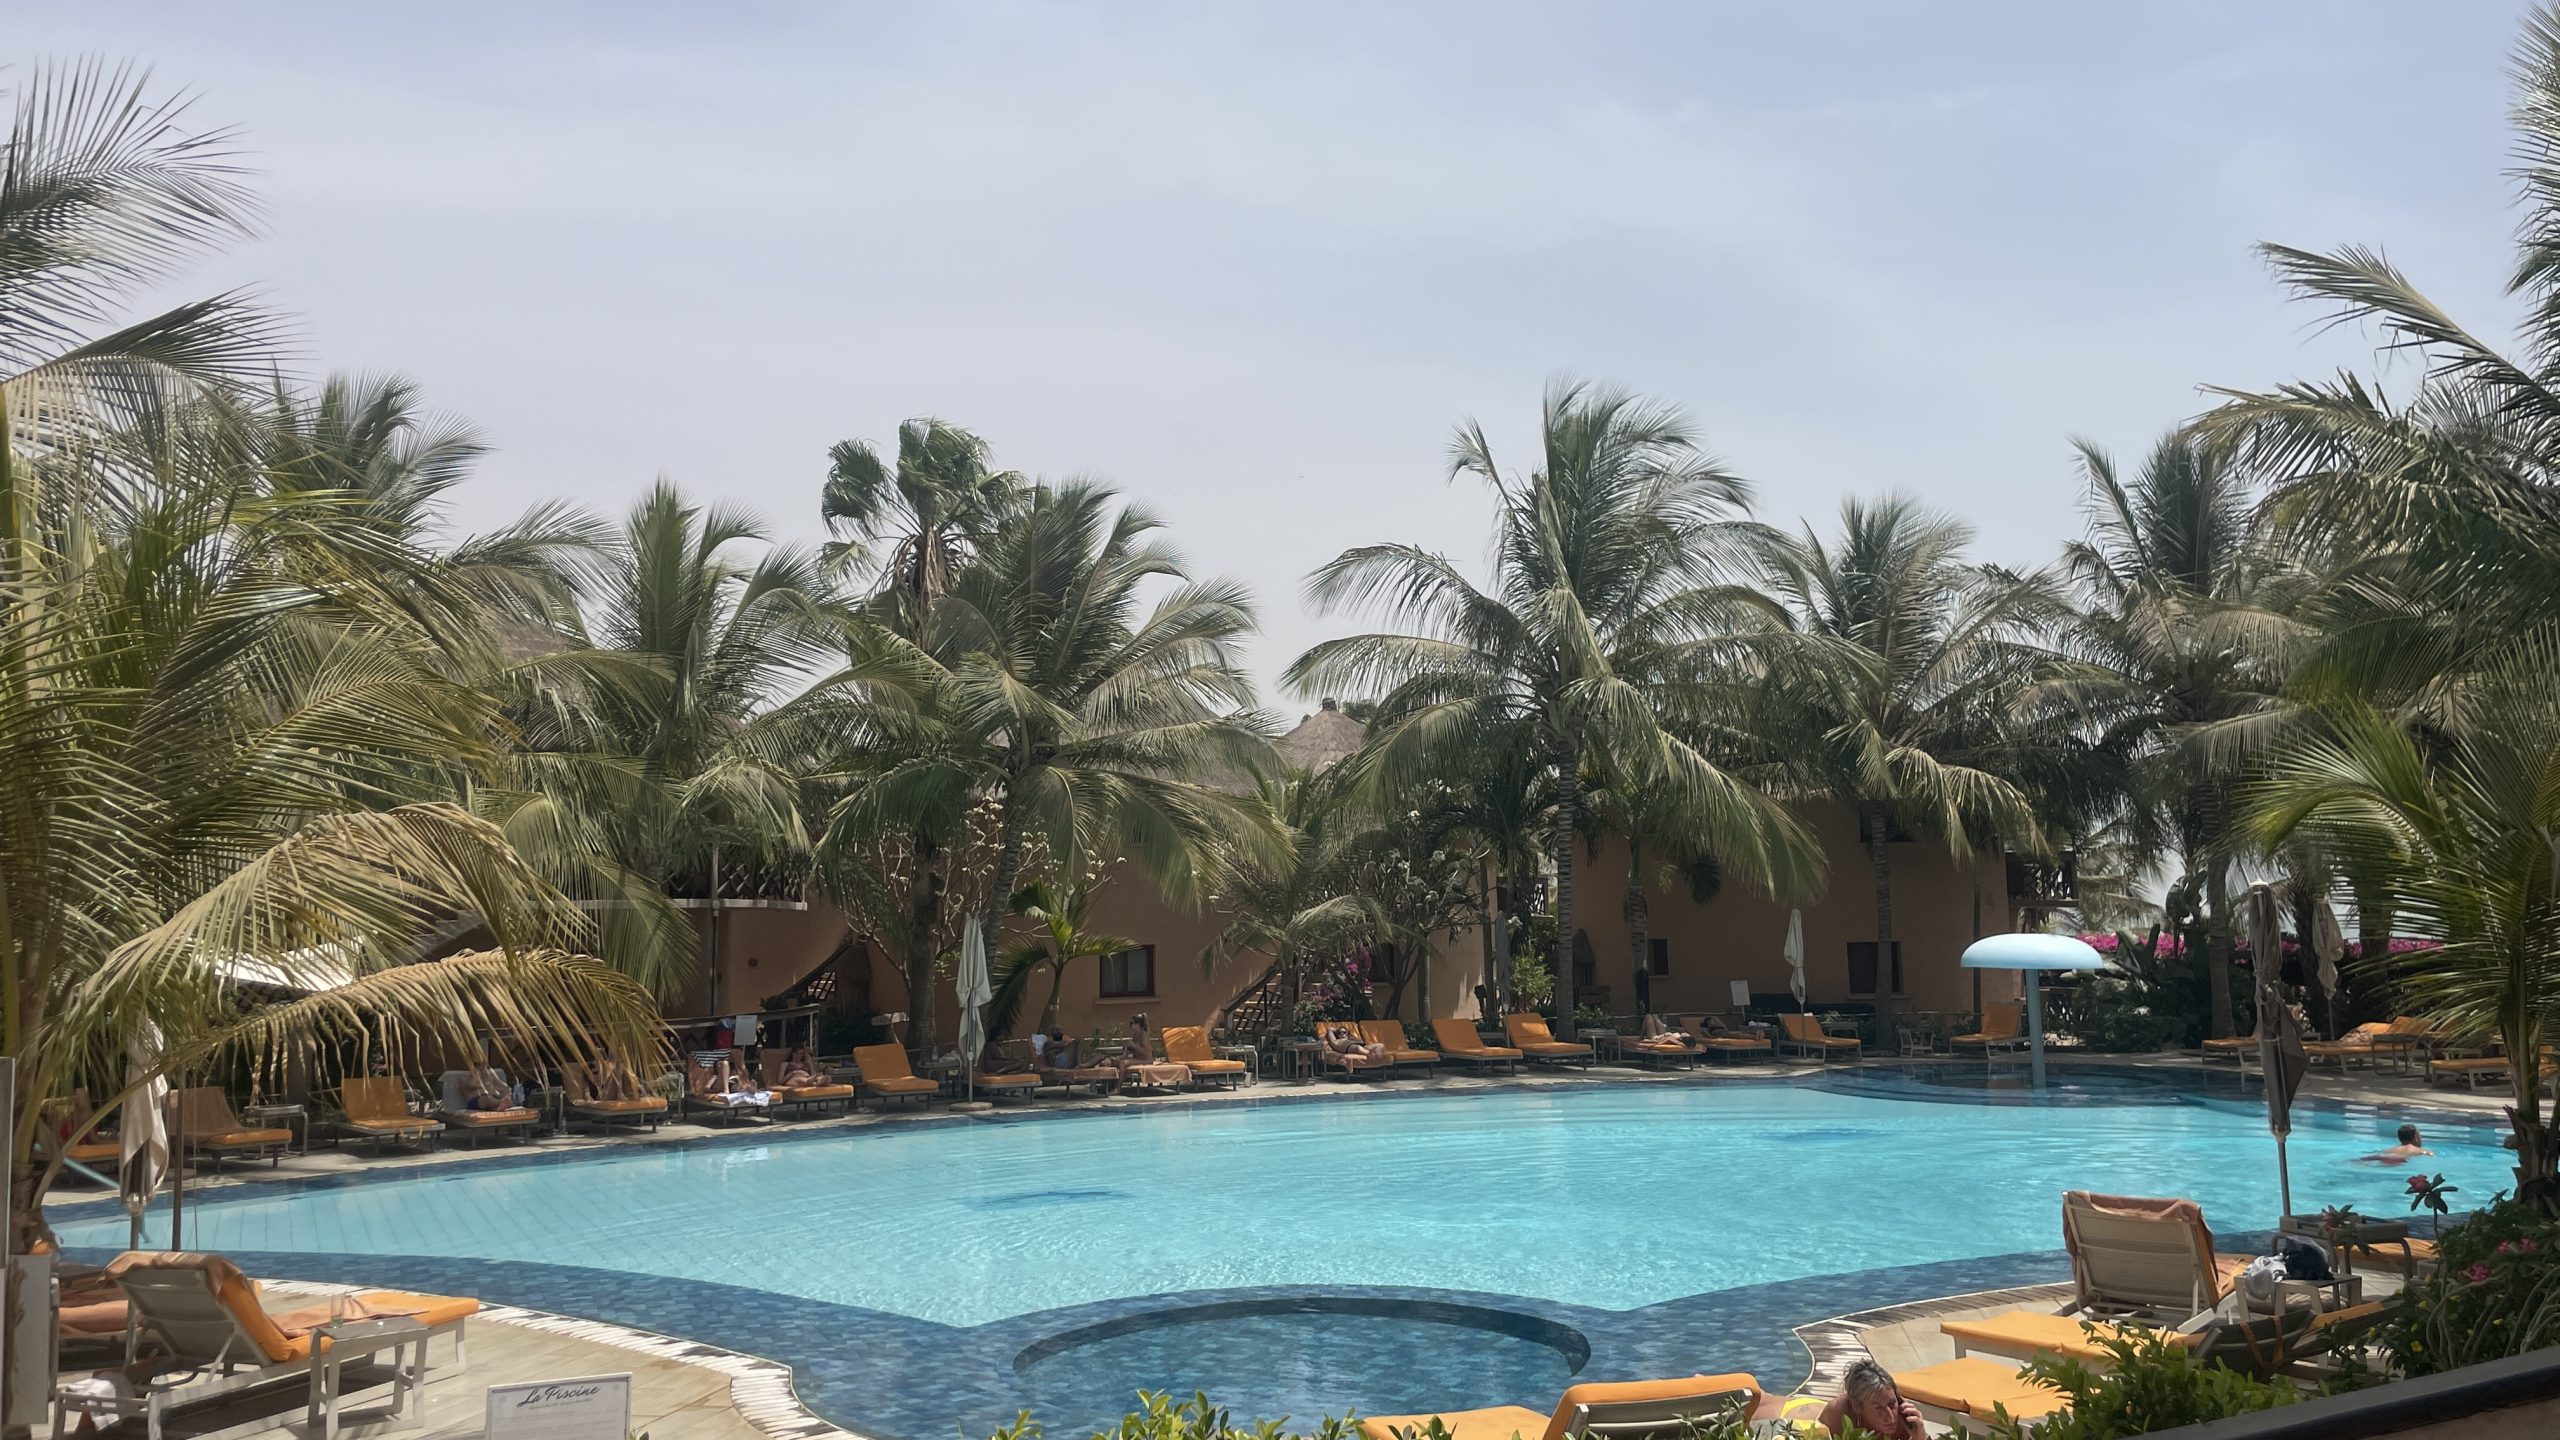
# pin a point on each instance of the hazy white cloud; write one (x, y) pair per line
(1253, 261)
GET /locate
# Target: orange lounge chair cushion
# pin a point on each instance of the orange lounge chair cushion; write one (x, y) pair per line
(2025, 1334)
(480, 1118)
(1806, 1030)
(95, 1151)
(414, 1125)
(1501, 1422)
(235, 1292)
(902, 1085)
(639, 1105)
(1971, 1385)
(1008, 1082)
(239, 1139)
(2389, 1257)
(1736, 1042)
(1390, 1035)
(2234, 1042)
(883, 1066)
(1529, 1034)
(814, 1092)
(1457, 1037)
(1186, 1045)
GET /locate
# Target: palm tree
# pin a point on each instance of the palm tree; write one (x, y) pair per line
(1046, 687)
(2184, 624)
(699, 769)
(1609, 560)
(916, 521)
(1060, 911)
(1291, 905)
(1899, 669)
(214, 762)
(2461, 832)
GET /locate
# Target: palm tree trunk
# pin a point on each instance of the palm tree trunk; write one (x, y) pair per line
(1880, 860)
(1492, 990)
(1008, 868)
(1422, 980)
(1560, 847)
(1057, 982)
(2217, 948)
(924, 913)
(1639, 925)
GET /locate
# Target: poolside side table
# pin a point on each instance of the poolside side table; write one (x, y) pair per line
(1605, 1044)
(1300, 1059)
(1251, 1055)
(296, 1118)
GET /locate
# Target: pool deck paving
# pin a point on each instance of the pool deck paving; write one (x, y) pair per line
(696, 1391)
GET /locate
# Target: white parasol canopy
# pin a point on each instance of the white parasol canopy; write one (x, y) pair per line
(1795, 955)
(975, 993)
(142, 1126)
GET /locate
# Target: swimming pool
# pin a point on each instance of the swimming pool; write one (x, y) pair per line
(1579, 1202)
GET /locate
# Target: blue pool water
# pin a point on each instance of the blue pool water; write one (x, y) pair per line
(1605, 1198)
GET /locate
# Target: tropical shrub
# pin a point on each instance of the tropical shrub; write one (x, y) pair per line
(2152, 1383)
(2495, 1292)
(1161, 1417)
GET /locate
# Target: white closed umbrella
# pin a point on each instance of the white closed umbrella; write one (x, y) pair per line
(975, 992)
(2329, 943)
(1795, 955)
(143, 1129)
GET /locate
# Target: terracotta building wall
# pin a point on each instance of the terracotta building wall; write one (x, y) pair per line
(1740, 933)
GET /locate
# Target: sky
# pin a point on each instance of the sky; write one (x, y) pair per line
(1253, 263)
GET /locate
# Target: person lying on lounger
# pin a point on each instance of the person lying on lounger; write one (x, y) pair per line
(1342, 1040)
(1142, 1050)
(490, 1091)
(1059, 1053)
(2411, 1146)
(730, 1088)
(1658, 1036)
(799, 1071)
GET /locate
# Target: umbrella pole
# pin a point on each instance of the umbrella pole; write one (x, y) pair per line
(177, 1172)
(2035, 1027)
(2284, 1181)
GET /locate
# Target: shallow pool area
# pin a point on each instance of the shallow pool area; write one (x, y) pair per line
(1371, 1250)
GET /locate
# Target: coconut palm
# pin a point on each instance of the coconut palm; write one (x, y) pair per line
(1060, 911)
(1899, 670)
(215, 762)
(2185, 621)
(1046, 686)
(105, 191)
(691, 768)
(1609, 559)
(1290, 906)
(2461, 833)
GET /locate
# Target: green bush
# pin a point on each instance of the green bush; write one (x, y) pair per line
(1161, 1417)
(2155, 1383)
(2495, 1292)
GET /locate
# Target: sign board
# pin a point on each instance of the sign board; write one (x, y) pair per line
(597, 1407)
(1741, 994)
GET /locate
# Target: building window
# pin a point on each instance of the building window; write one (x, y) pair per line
(1657, 958)
(1129, 974)
(1862, 967)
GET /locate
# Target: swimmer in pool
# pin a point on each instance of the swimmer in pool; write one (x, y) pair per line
(2410, 1147)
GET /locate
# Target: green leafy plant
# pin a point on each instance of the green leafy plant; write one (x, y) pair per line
(2495, 1292)
(2152, 1383)
(1592, 1017)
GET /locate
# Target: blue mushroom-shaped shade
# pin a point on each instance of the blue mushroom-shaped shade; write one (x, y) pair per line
(2032, 952)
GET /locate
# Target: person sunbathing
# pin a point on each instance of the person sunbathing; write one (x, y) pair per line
(800, 1072)
(614, 1080)
(1344, 1041)
(1059, 1053)
(1658, 1036)
(726, 1086)
(490, 1091)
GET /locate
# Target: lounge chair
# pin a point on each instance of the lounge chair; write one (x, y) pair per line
(1459, 1041)
(207, 1315)
(2001, 1021)
(1970, 1387)
(800, 1097)
(703, 1091)
(1352, 1066)
(1189, 1045)
(583, 1099)
(1528, 1034)
(1099, 1078)
(1008, 1083)
(207, 1128)
(2406, 1036)
(2237, 1048)
(1673, 1046)
(377, 1109)
(2356, 1044)
(2491, 1068)
(886, 1076)
(454, 1091)
(87, 1156)
(1401, 1051)
(1618, 1410)
(2257, 1344)
(2142, 1257)
(1802, 1034)
(1728, 1044)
